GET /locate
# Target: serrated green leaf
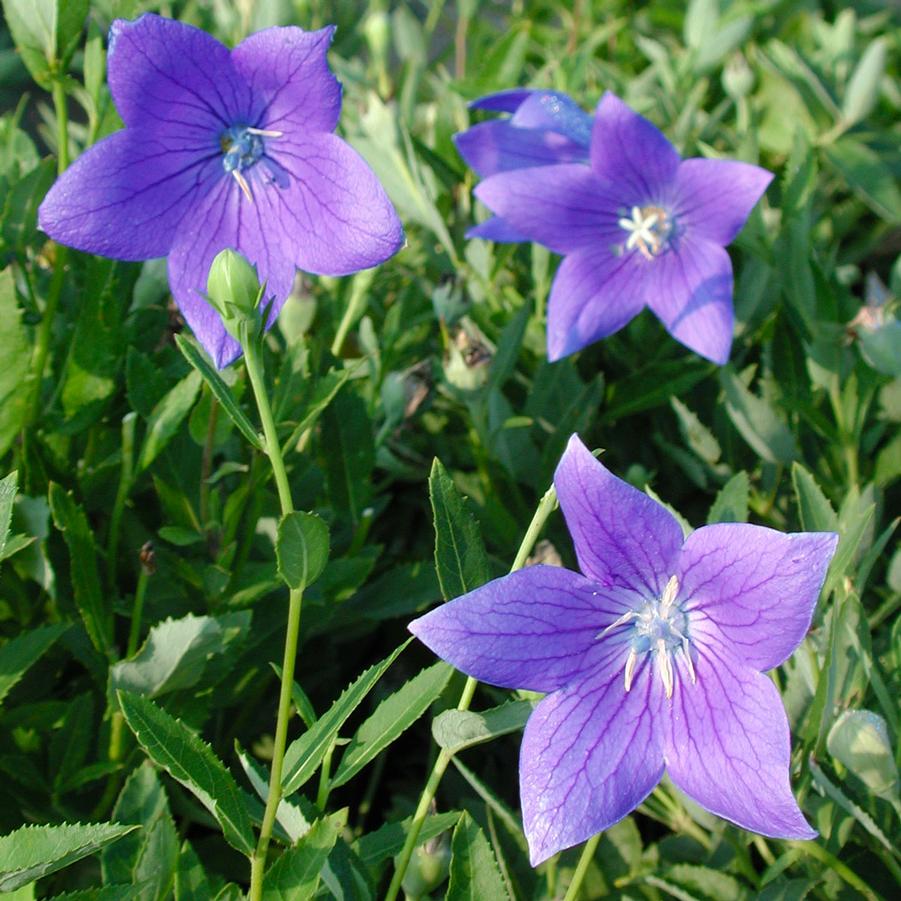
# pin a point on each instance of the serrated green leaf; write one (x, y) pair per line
(301, 547)
(391, 718)
(814, 508)
(295, 875)
(696, 435)
(731, 502)
(8, 488)
(158, 858)
(194, 354)
(120, 892)
(191, 883)
(304, 755)
(190, 761)
(388, 840)
(289, 816)
(21, 652)
(455, 730)
(167, 416)
(16, 361)
(94, 604)
(460, 558)
(35, 851)
(474, 873)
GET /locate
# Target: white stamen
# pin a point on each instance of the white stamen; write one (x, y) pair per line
(242, 182)
(686, 652)
(631, 663)
(617, 622)
(264, 132)
(665, 666)
(648, 230)
(669, 594)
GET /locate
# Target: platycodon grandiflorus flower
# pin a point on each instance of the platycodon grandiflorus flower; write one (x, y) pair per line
(653, 660)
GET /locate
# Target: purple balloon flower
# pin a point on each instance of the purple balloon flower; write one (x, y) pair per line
(637, 226)
(223, 149)
(653, 660)
(547, 127)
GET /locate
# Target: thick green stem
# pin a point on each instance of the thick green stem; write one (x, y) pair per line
(546, 506)
(276, 460)
(575, 887)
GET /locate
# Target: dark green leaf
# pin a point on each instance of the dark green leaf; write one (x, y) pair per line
(474, 873)
(14, 388)
(295, 875)
(167, 416)
(349, 453)
(868, 176)
(388, 840)
(731, 503)
(815, 510)
(302, 548)
(19, 653)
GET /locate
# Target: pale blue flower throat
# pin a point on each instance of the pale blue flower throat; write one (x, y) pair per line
(649, 229)
(242, 146)
(659, 628)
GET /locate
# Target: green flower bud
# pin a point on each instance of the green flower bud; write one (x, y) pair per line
(738, 79)
(233, 288)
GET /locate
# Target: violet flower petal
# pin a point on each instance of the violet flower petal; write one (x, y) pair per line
(293, 88)
(713, 198)
(690, 289)
(557, 112)
(756, 586)
(126, 196)
(622, 537)
(591, 753)
(499, 146)
(536, 628)
(507, 101)
(594, 294)
(331, 209)
(496, 229)
(632, 154)
(564, 207)
(728, 747)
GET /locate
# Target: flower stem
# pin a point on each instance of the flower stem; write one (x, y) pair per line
(546, 506)
(253, 362)
(575, 887)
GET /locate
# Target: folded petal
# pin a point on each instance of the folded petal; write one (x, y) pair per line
(287, 70)
(758, 587)
(536, 628)
(332, 211)
(713, 198)
(496, 229)
(172, 77)
(595, 293)
(630, 152)
(492, 147)
(591, 753)
(622, 537)
(564, 207)
(502, 101)
(690, 288)
(126, 196)
(727, 746)
(226, 219)
(558, 112)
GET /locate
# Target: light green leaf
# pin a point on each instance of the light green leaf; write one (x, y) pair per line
(814, 508)
(301, 548)
(696, 435)
(19, 653)
(198, 359)
(868, 175)
(388, 840)
(295, 875)
(391, 718)
(289, 816)
(703, 882)
(474, 873)
(115, 892)
(94, 604)
(7, 497)
(167, 416)
(304, 755)
(14, 389)
(731, 502)
(460, 558)
(863, 88)
(190, 761)
(35, 851)
(859, 740)
(455, 730)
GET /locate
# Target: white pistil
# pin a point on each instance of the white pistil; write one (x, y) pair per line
(647, 230)
(631, 663)
(686, 653)
(242, 183)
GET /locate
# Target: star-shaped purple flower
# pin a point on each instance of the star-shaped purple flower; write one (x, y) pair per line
(546, 128)
(638, 227)
(223, 149)
(653, 660)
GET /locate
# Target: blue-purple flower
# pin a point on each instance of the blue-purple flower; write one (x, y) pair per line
(223, 149)
(638, 227)
(547, 127)
(653, 660)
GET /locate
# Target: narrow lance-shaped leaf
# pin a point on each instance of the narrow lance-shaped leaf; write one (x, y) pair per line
(19, 653)
(190, 761)
(167, 416)
(14, 389)
(474, 873)
(295, 875)
(7, 496)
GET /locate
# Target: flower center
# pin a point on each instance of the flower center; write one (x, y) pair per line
(649, 230)
(241, 147)
(659, 628)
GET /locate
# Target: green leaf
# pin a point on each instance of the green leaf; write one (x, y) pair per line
(460, 558)
(859, 740)
(474, 873)
(391, 718)
(867, 175)
(94, 604)
(176, 653)
(455, 730)
(388, 840)
(731, 503)
(814, 508)
(289, 816)
(167, 416)
(756, 421)
(14, 389)
(8, 488)
(863, 88)
(19, 653)
(349, 453)
(295, 875)
(190, 761)
(190, 879)
(304, 755)
(703, 882)
(115, 892)
(324, 391)
(696, 435)
(35, 851)
(301, 548)
(198, 359)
